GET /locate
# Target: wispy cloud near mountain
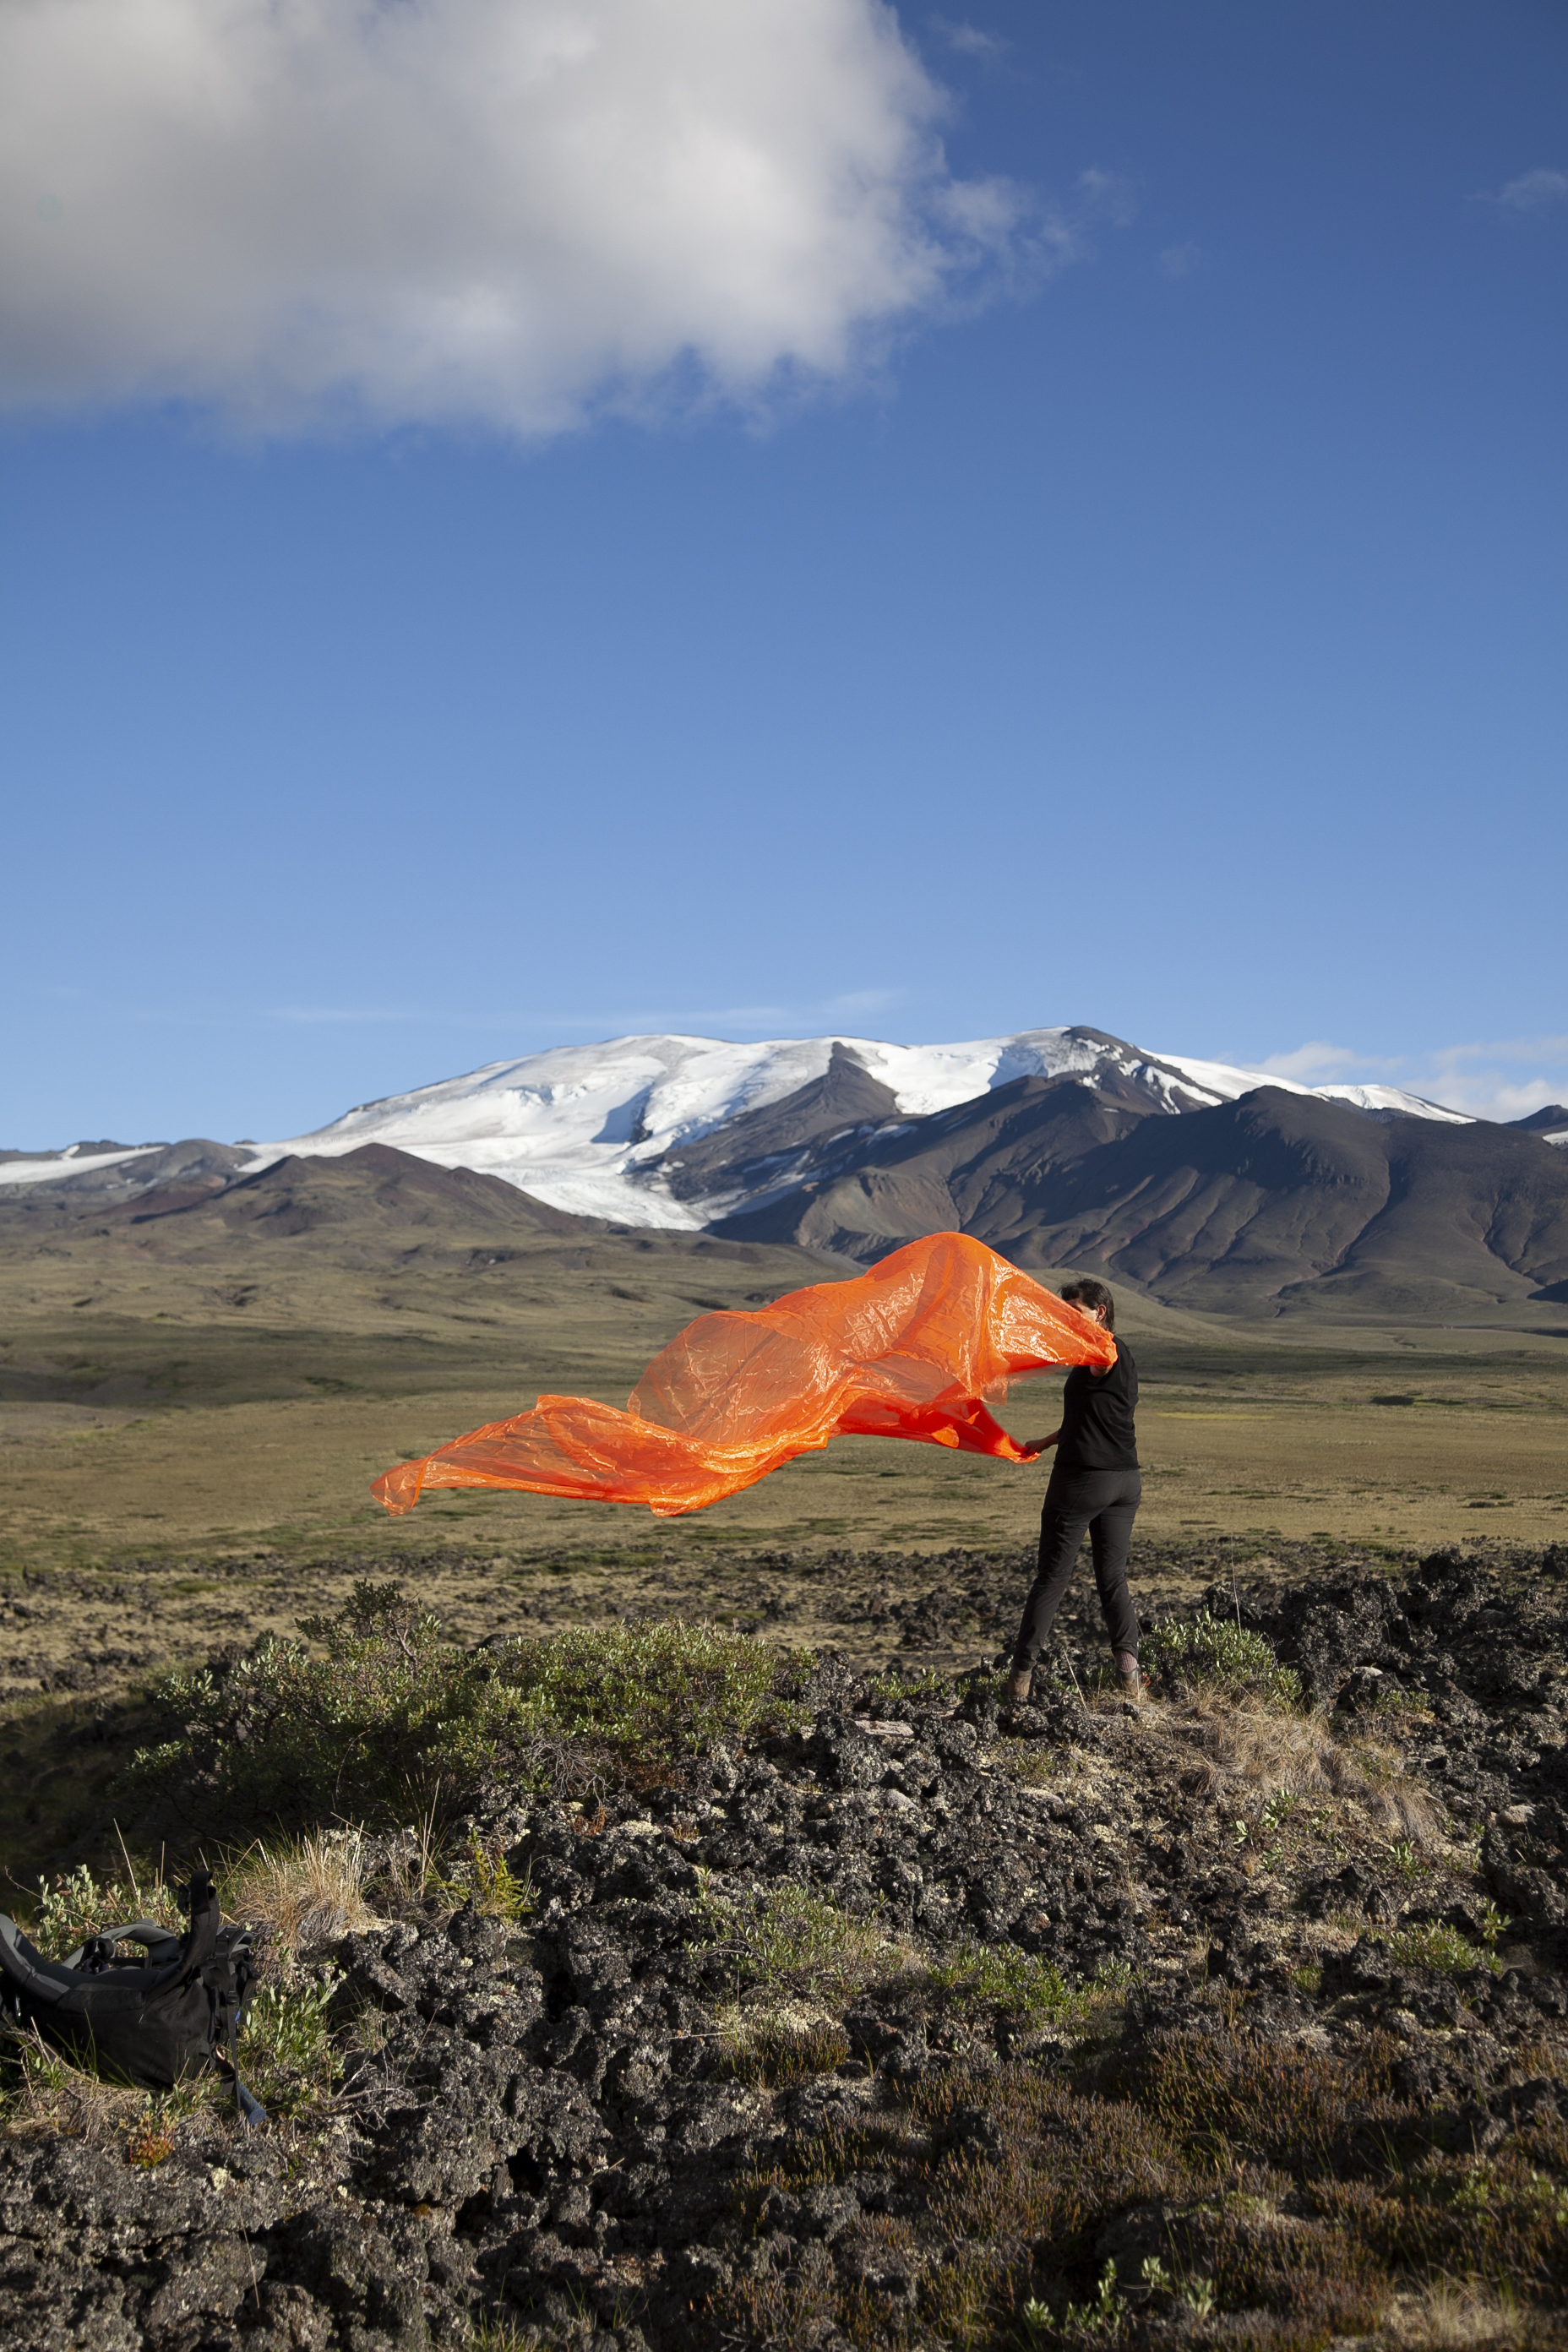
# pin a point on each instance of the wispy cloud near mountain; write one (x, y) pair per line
(1504, 1078)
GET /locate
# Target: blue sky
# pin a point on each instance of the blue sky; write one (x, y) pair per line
(1131, 594)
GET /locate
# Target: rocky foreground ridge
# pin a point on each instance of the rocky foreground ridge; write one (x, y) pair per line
(1233, 2018)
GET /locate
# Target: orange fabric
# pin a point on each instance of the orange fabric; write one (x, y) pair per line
(909, 1349)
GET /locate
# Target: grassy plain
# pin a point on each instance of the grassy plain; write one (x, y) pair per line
(124, 1436)
(192, 1411)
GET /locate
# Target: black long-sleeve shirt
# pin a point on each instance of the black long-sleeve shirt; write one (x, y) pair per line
(1097, 1417)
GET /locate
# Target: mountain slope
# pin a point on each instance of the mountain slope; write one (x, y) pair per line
(1275, 1202)
(676, 1131)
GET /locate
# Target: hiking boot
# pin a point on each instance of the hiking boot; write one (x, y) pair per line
(1129, 1679)
(1018, 1684)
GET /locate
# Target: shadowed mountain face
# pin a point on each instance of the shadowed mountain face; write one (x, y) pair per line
(1544, 1121)
(1277, 1201)
(782, 1144)
(976, 1168)
(1274, 1202)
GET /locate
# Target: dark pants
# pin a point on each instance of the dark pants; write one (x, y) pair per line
(1105, 1502)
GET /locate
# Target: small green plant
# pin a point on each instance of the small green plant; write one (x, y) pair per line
(1102, 2317)
(792, 1939)
(502, 1894)
(900, 1684)
(1212, 1652)
(1492, 1922)
(1011, 1983)
(1198, 2296)
(286, 2052)
(1404, 1858)
(73, 1906)
(1436, 1945)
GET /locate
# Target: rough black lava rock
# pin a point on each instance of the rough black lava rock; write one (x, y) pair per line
(538, 2121)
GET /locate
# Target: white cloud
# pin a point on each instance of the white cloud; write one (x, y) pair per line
(1181, 260)
(1108, 196)
(968, 39)
(503, 210)
(1487, 1080)
(1319, 1063)
(1530, 190)
(1480, 1078)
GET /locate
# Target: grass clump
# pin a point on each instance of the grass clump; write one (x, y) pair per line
(373, 1706)
(776, 2049)
(897, 1686)
(1211, 1652)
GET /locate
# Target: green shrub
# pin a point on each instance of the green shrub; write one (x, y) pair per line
(1436, 1946)
(1011, 1983)
(900, 1684)
(285, 2055)
(1211, 1651)
(792, 1939)
(73, 1906)
(375, 1710)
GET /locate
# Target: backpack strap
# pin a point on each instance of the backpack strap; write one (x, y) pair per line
(199, 1941)
(97, 1950)
(250, 2109)
(24, 1967)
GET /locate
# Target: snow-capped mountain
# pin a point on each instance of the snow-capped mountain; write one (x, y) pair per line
(600, 1130)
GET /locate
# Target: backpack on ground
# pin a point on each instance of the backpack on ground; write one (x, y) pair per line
(151, 2021)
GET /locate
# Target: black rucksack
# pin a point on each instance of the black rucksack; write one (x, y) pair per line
(149, 2021)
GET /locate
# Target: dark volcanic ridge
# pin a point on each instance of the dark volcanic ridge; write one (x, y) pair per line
(1276, 1204)
(928, 2023)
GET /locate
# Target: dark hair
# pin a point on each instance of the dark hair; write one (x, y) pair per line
(1089, 1293)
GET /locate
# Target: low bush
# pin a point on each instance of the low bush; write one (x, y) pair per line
(375, 1711)
(1293, 2198)
(1009, 1983)
(1436, 1946)
(793, 1941)
(1210, 1651)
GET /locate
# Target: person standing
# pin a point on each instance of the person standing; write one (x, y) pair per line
(1096, 1488)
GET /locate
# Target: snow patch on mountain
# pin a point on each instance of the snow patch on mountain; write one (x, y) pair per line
(1225, 1084)
(56, 1165)
(585, 1127)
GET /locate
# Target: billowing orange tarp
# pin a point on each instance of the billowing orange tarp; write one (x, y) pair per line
(909, 1349)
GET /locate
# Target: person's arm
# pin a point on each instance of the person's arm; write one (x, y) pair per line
(1034, 1446)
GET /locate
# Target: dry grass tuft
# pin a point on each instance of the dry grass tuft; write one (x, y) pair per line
(309, 1890)
(1233, 1752)
(779, 2046)
(1448, 2315)
(44, 2096)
